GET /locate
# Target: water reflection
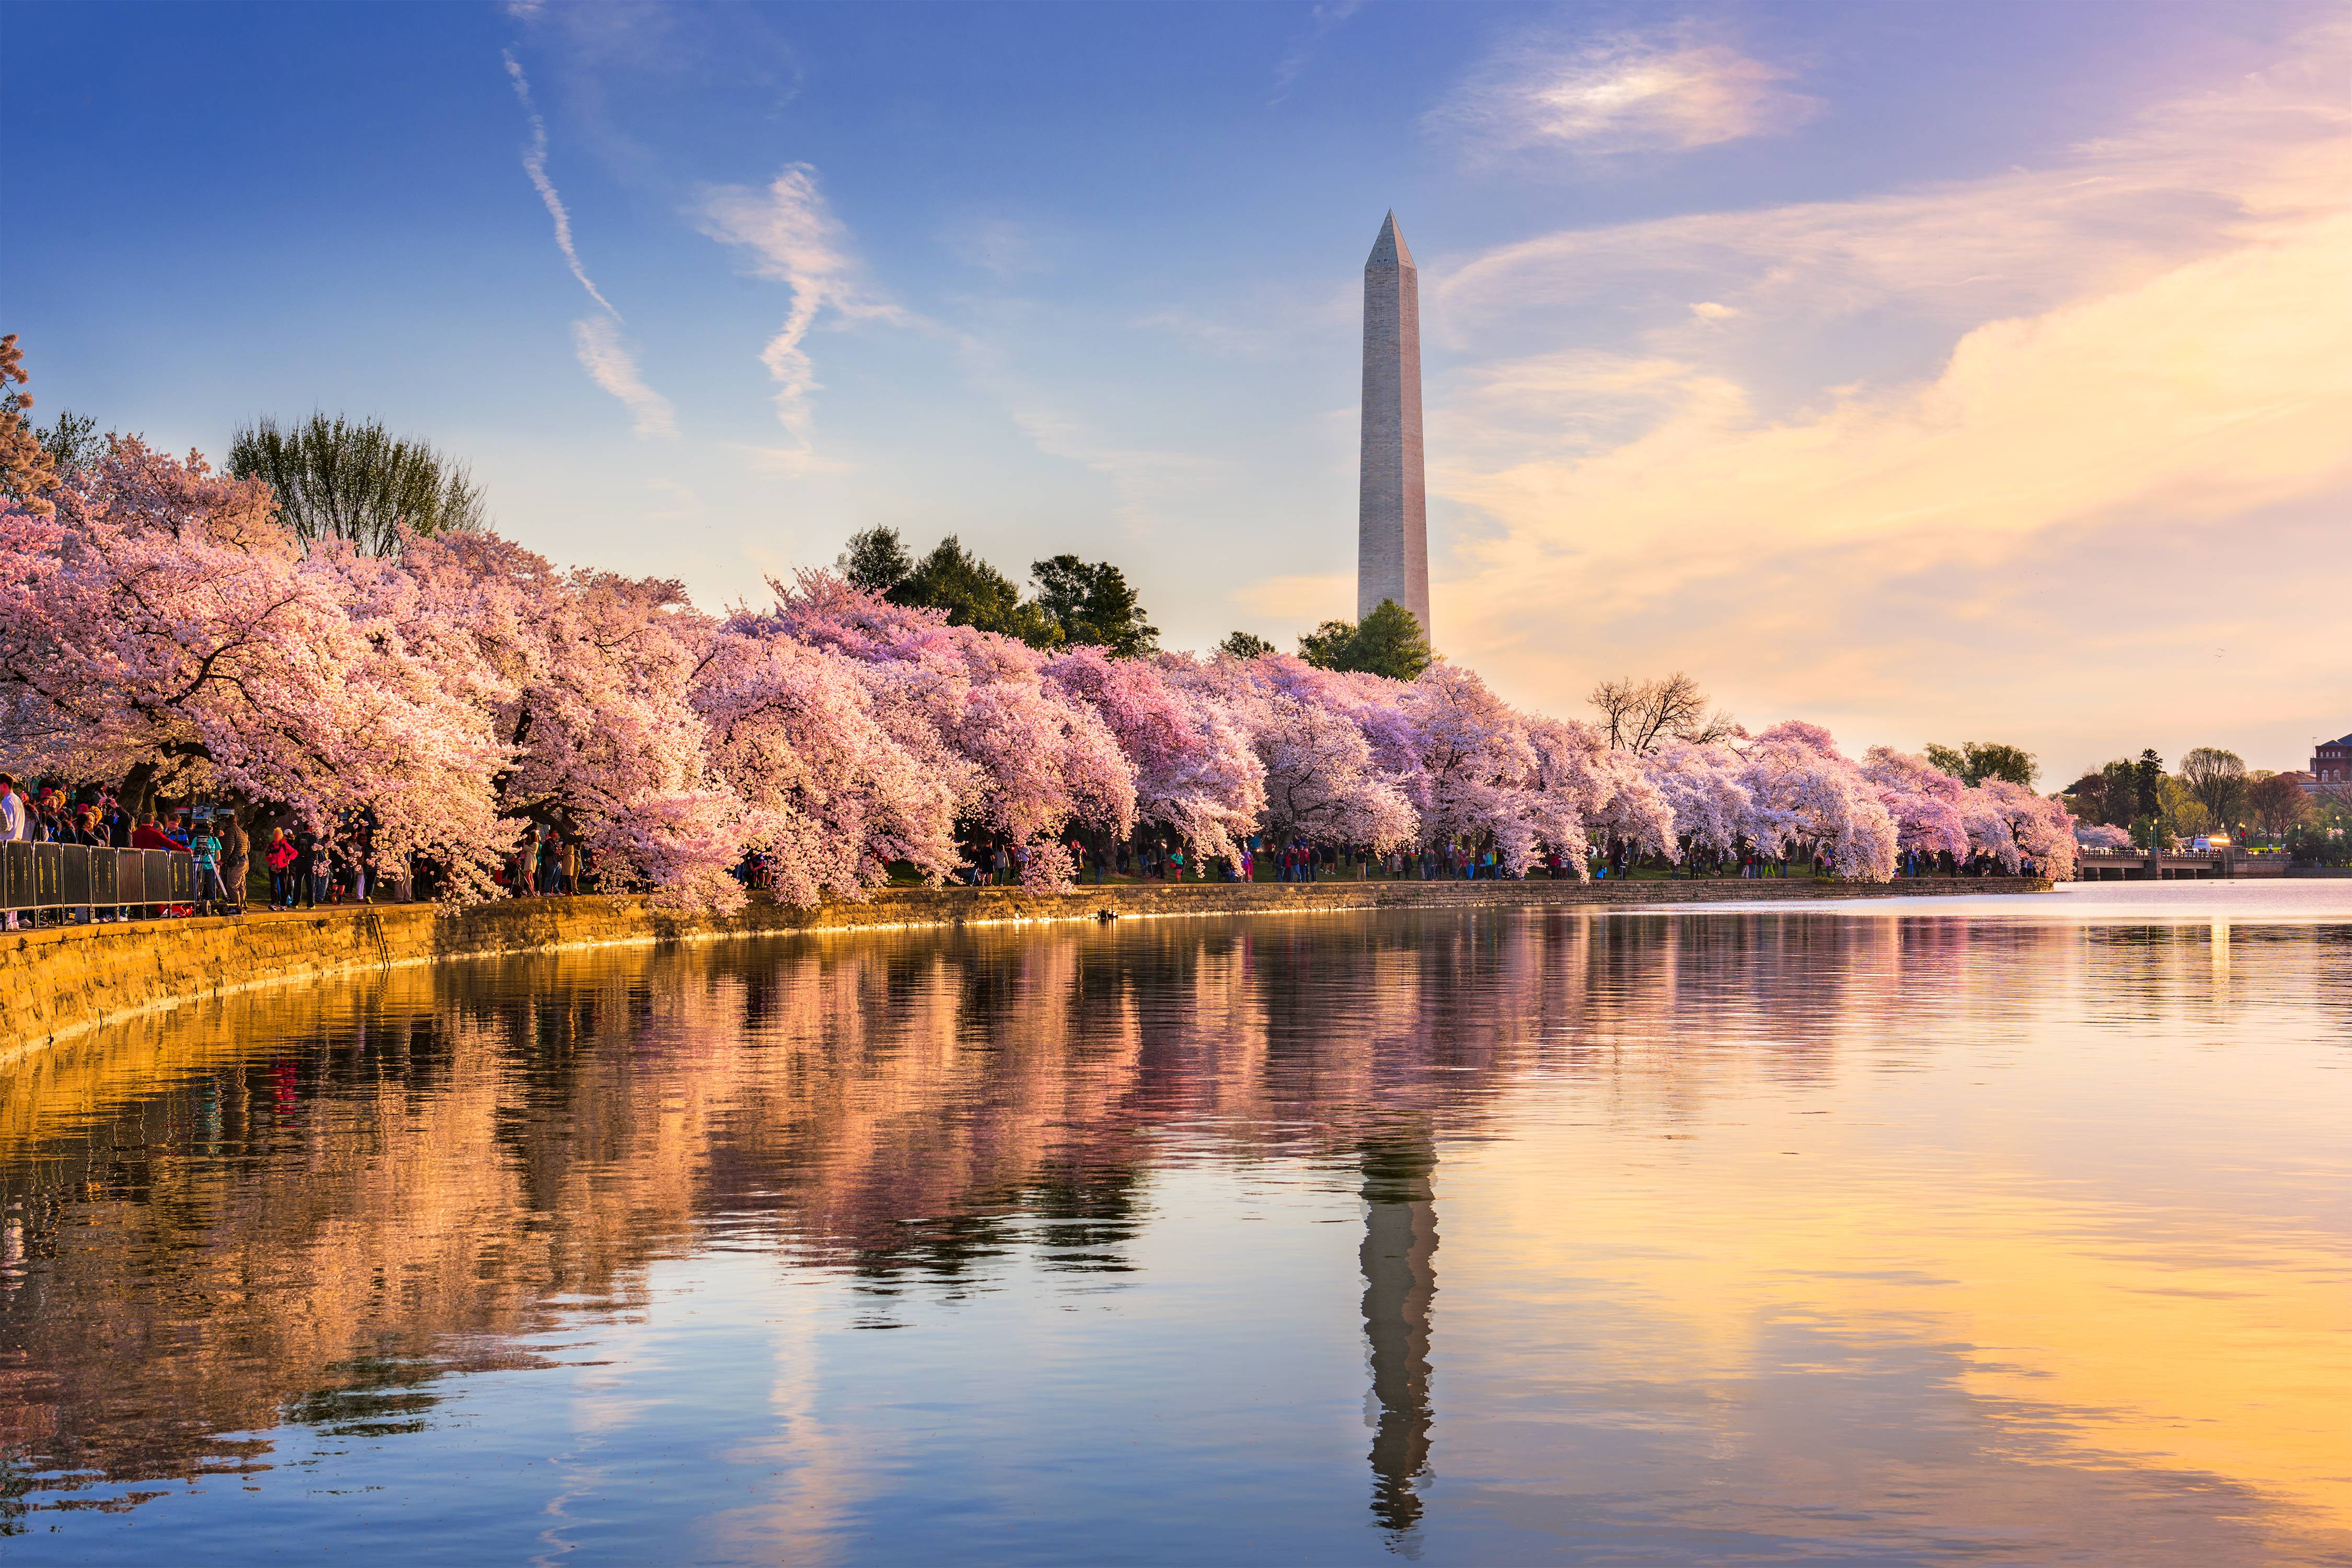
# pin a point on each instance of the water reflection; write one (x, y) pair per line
(1770, 1233)
(1400, 1260)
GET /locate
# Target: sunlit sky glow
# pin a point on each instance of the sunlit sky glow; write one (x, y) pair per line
(1933, 372)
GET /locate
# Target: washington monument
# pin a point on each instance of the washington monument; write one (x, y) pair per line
(1391, 511)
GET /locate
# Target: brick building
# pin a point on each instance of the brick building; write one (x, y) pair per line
(2331, 766)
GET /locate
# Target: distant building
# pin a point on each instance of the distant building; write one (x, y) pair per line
(2331, 766)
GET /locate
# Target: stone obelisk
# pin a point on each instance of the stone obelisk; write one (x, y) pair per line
(1391, 510)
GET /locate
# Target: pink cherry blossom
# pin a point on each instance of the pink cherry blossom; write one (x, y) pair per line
(1924, 800)
(163, 624)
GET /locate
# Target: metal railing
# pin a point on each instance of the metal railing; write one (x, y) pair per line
(81, 877)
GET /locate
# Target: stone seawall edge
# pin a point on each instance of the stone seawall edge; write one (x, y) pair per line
(64, 981)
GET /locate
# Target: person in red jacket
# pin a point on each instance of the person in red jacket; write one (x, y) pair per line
(280, 857)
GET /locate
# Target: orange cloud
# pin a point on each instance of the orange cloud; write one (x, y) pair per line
(2149, 359)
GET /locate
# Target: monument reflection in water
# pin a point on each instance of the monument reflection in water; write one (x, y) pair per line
(1782, 1237)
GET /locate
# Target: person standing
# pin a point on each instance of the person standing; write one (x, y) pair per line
(206, 850)
(11, 823)
(299, 870)
(320, 863)
(236, 858)
(279, 857)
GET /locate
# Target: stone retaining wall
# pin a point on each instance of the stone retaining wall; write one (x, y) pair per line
(63, 981)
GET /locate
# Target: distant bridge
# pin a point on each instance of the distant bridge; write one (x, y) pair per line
(2151, 866)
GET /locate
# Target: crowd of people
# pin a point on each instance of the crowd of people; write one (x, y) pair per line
(302, 868)
(47, 812)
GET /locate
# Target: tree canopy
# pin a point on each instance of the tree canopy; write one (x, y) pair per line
(1093, 605)
(1079, 603)
(2217, 780)
(341, 479)
(27, 474)
(1388, 642)
(973, 593)
(1977, 760)
(1642, 715)
(875, 561)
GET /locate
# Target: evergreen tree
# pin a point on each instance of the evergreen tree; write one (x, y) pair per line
(2147, 774)
(1388, 642)
(72, 442)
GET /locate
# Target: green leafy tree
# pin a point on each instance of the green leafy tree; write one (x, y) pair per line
(341, 479)
(1945, 759)
(1328, 644)
(875, 561)
(1977, 760)
(1388, 642)
(2217, 780)
(974, 594)
(2326, 839)
(1092, 603)
(2108, 795)
(1245, 645)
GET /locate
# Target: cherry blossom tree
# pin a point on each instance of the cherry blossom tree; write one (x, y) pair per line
(1614, 795)
(1490, 774)
(165, 630)
(2012, 824)
(1705, 789)
(829, 793)
(587, 678)
(1321, 781)
(1026, 759)
(1812, 799)
(1924, 800)
(1196, 772)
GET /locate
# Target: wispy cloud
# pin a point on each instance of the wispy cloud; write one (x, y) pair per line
(535, 163)
(794, 239)
(1622, 94)
(596, 340)
(1325, 16)
(608, 362)
(1000, 246)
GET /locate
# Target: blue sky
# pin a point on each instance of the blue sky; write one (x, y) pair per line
(1935, 371)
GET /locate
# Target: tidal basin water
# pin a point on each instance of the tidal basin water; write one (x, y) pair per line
(2013, 1231)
